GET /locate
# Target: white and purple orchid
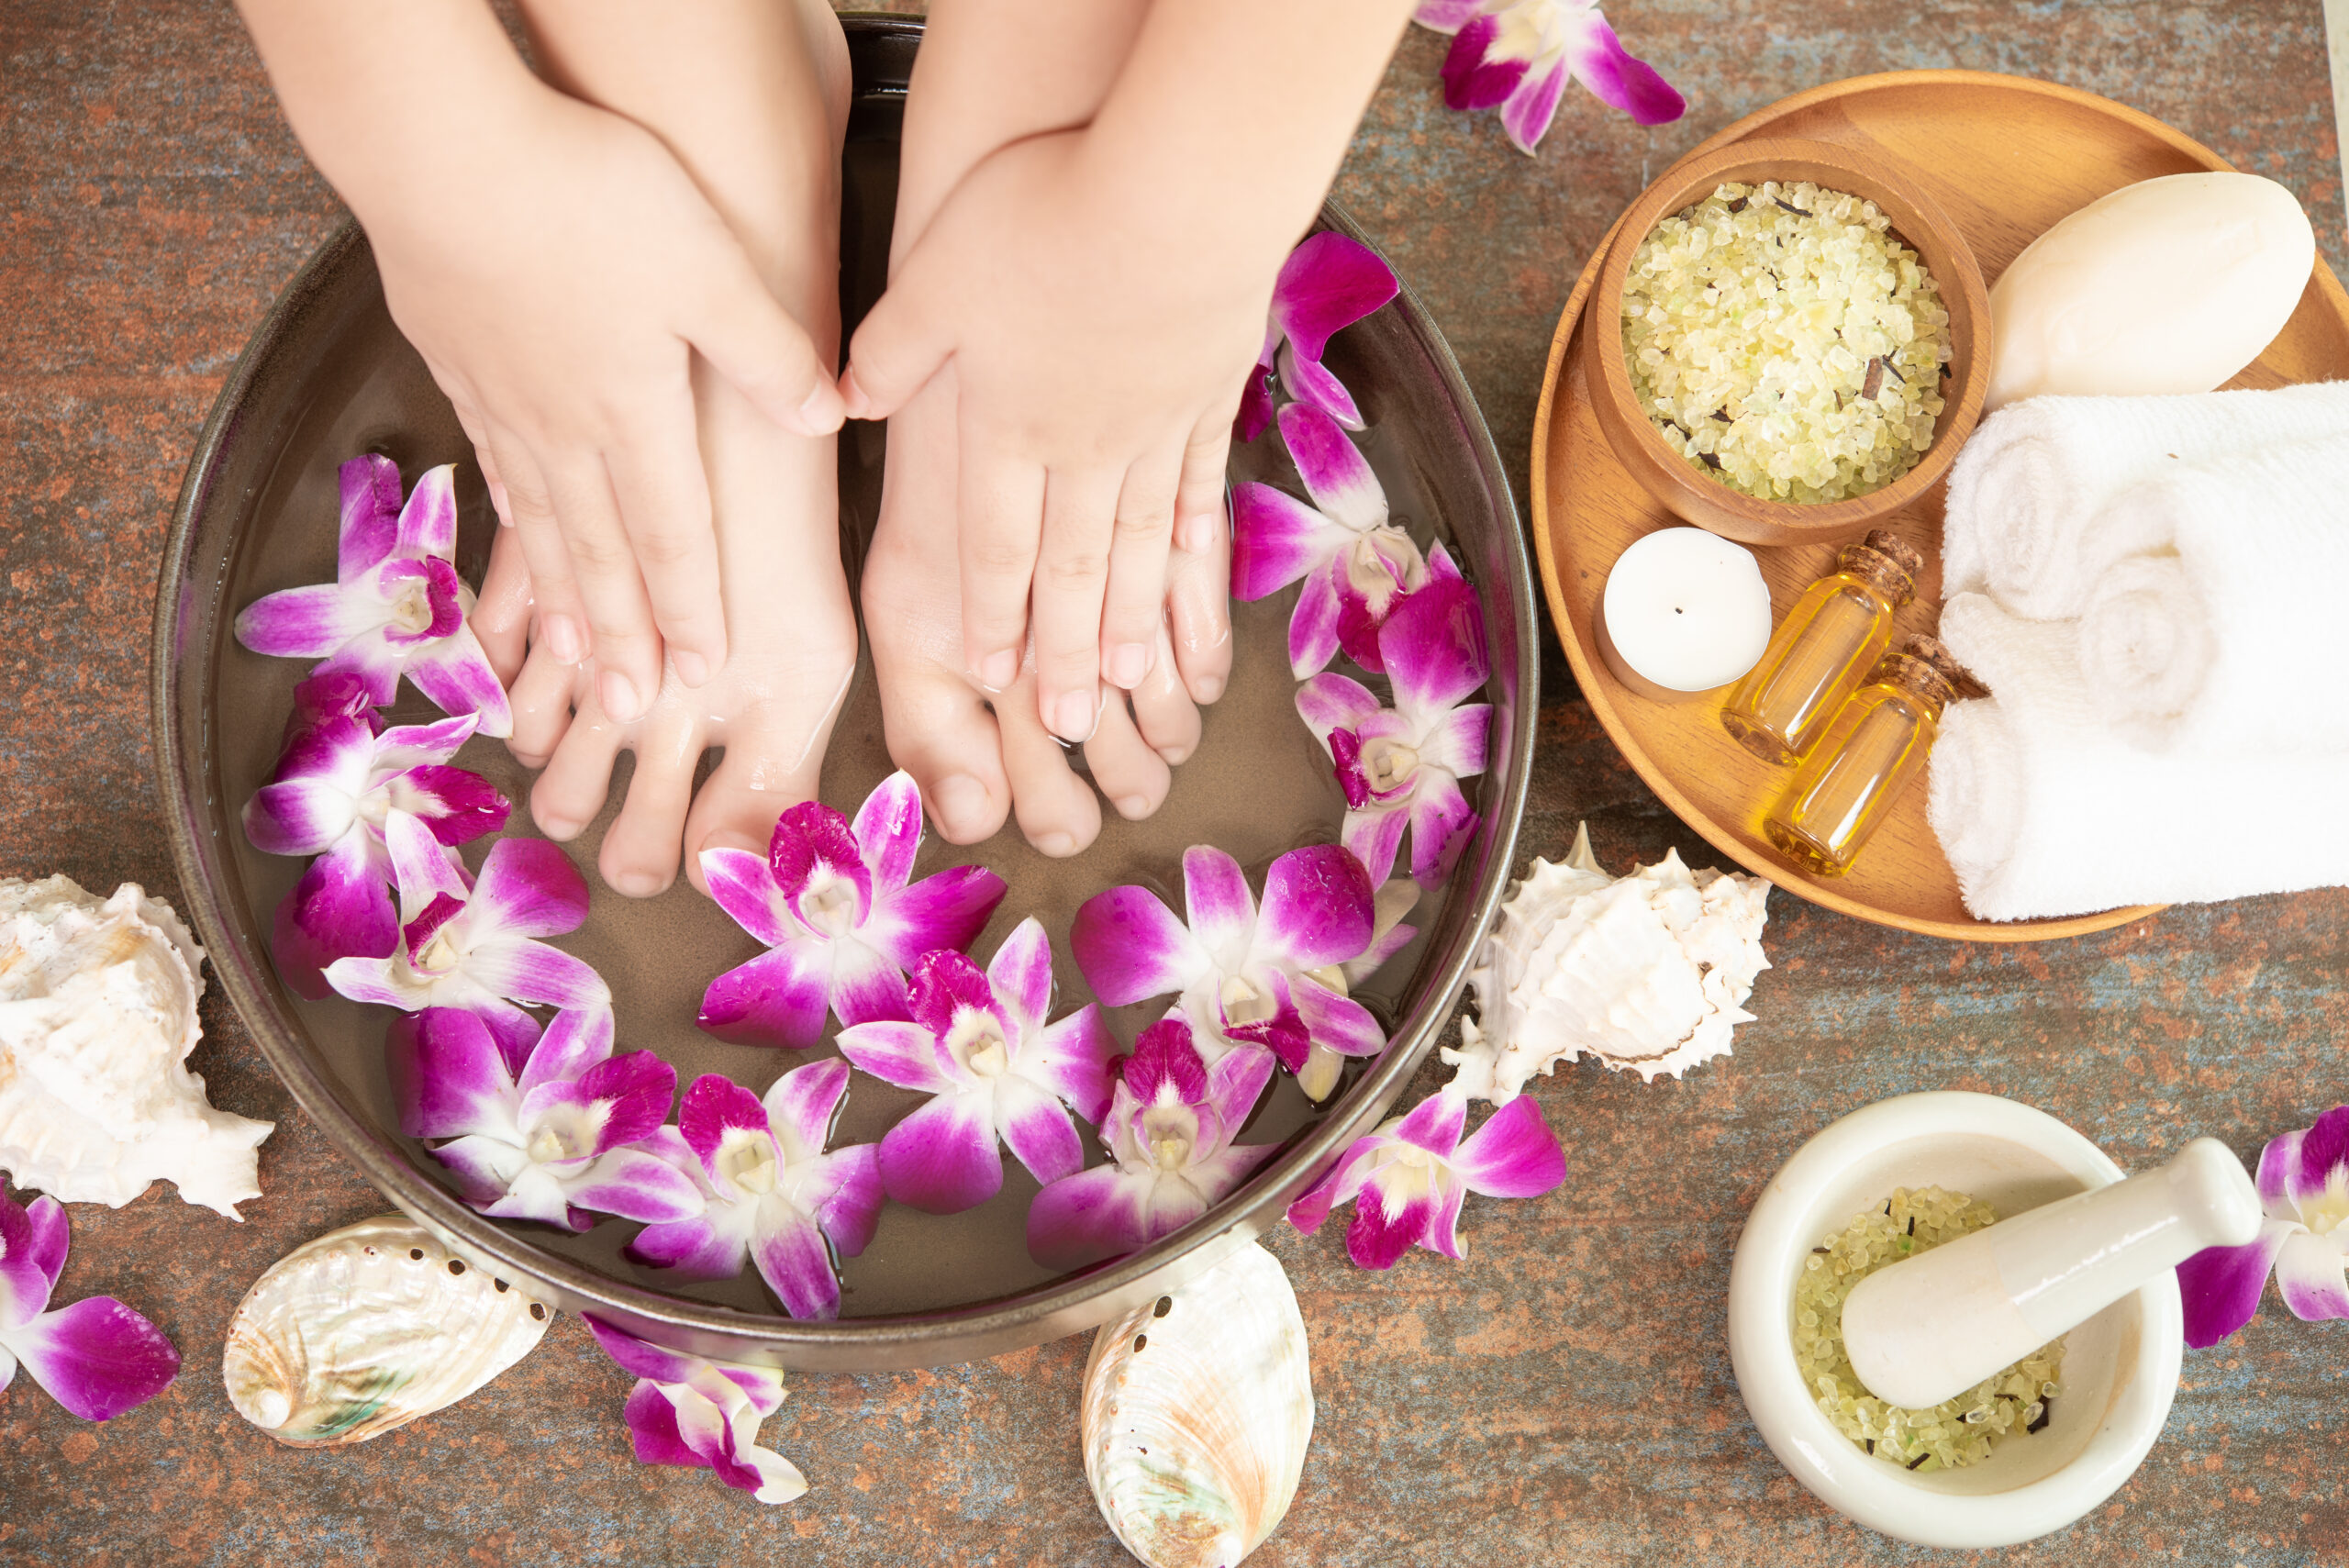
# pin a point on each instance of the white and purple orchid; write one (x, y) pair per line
(1355, 562)
(1407, 1180)
(396, 605)
(1328, 282)
(1169, 1131)
(97, 1357)
(978, 1044)
(1270, 980)
(1517, 54)
(691, 1410)
(1402, 766)
(473, 944)
(338, 780)
(832, 902)
(573, 1134)
(774, 1191)
(2304, 1186)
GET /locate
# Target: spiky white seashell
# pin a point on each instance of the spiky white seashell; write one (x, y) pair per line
(1197, 1412)
(98, 1015)
(1647, 973)
(366, 1328)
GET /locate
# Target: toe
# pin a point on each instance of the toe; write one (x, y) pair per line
(541, 700)
(1134, 777)
(940, 730)
(1198, 614)
(639, 854)
(571, 792)
(1057, 810)
(1163, 712)
(762, 775)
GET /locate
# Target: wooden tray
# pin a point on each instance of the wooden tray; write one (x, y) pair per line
(2006, 156)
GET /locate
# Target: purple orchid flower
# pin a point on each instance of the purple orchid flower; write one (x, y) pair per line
(1323, 1064)
(1328, 282)
(318, 699)
(567, 1135)
(97, 1357)
(1402, 766)
(1270, 980)
(1517, 54)
(1416, 1170)
(979, 1045)
(1355, 562)
(691, 1410)
(471, 945)
(338, 780)
(396, 606)
(2304, 1186)
(1170, 1129)
(774, 1191)
(831, 903)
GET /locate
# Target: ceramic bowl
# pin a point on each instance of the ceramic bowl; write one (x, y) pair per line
(1688, 490)
(328, 376)
(2119, 1370)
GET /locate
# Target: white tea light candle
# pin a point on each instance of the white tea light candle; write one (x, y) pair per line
(1684, 613)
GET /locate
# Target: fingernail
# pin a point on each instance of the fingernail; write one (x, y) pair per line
(1133, 808)
(1128, 664)
(497, 503)
(852, 399)
(620, 701)
(565, 640)
(1057, 845)
(999, 669)
(692, 668)
(1206, 688)
(1198, 533)
(820, 413)
(558, 828)
(958, 799)
(1073, 714)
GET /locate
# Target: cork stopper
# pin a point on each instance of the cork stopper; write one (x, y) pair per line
(1886, 563)
(1923, 667)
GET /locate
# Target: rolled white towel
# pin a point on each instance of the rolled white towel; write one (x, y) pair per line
(2025, 518)
(2217, 643)
(2043, 810)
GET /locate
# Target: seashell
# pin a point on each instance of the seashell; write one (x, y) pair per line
(1647, 973)
(98, 1015)
(368, 1328)
(1197, 1412)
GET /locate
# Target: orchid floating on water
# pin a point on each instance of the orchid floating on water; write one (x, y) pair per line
(1270, 980)
(1328, 282)
(774, 1191)
(473, 944)
(564, 1138)
(337, 783)
(690, 1410)
(832, 902)
(396, 605)
(1171, 1120)
(1408, 1179)
(1402, 766)
(1355, 562)
(1517, 55)
(97, 1357)
(979, 1045)
(2304, 1186)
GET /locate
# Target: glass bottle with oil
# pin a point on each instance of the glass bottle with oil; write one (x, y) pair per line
(1879, 740)
(1830, 638)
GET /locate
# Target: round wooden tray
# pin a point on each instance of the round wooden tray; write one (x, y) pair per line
(2006, 156)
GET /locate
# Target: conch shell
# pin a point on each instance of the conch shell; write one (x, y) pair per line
(98, 1015)
(1646, 972)
(366, 1328)
(1197, 1412)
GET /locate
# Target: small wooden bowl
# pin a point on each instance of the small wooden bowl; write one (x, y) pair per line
(1919, 223)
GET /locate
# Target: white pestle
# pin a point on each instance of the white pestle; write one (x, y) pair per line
(1932, 1327)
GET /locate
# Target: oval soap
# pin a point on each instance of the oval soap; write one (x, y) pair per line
(2167, 285)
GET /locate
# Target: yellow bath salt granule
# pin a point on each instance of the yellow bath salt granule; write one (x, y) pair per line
(1955, 1433)
(1782, 337)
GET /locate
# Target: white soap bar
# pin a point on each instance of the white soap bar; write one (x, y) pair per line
(1685, 612)
(2166, 286)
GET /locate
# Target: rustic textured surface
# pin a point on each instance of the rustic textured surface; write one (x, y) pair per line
(1565, 1394)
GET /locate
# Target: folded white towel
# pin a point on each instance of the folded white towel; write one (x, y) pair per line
(2045, 810)
(2025, 522)
(2235, 637)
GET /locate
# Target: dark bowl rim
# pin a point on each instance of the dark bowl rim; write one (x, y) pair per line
(881, 1342)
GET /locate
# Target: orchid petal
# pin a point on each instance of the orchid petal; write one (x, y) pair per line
(1215, 896)
(341, 908)
(1380, 1235)
(25, 1284)
(1255, 416)
(1035, 1127)
(798, 1266)
(1330, 702)
(1457, 744)
(713, 1105)
(941, 1159)
(1435, 1124)
(702, 1248)
(901, 1053)
(456, 805)
(812, 839)
(1337, 1187)
(456, 674)
(1129, 945)
(2312, 1275)
(1471, 79)
(1442, 824)
(1234, 1085)
(578, 1039)
(1276, 539)
(867, 987)
(945, 985)
(651, 1422)
(1434, 643)
(804, 1102)
(850, 1210)
(1329, 281)
(1343, 1024)
(47, 1238)
(1615, 77)
(1373, 835)
(1319, 388)
(1318, 907)
(640, 1358)
(1313, 625)
(2220, 1286)
(778, 999)
(888, 830)
(634, 1185)
(420, 864)
(1073, 1059)
(2278, 1171)
(1447, 16)
(298, 815)
(306, 623)
(1526, 112)
(370, 526)
(428, 525)
(1513, 1154)
(516, 1031)
(637, 1087)
(1165, 1067)
(1094, 1214)
(743, 885)
(1336, 475)
(948, 910)
(446, 1075)
(368, 658)
(532, 971)
(97, 1357)
(530, 887)
(1021, 973)
(485, 1168)
(2319, 1158)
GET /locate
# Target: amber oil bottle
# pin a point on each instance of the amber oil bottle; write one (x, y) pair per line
(1876, 745)
(1830, 638)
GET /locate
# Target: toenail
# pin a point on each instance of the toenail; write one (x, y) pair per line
(1057, 845)
(1133, 808)
(559, 826)
(1074, 714)
(1206, 688)
(638, 883)
(998, 670)
(692, 668)
(1127, 665)
(620, 701)
(727, 838)
(958, 800)
(565, 640)
(1173, 756)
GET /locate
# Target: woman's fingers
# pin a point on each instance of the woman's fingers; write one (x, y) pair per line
(620, 615)
(1134, 603)
(563, 618)
(750, 339)
(501, 618)
(1198, 611)
(897, 348)
(663, 497)
(1199, 497)
(1000, 514)
(1071, 574)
